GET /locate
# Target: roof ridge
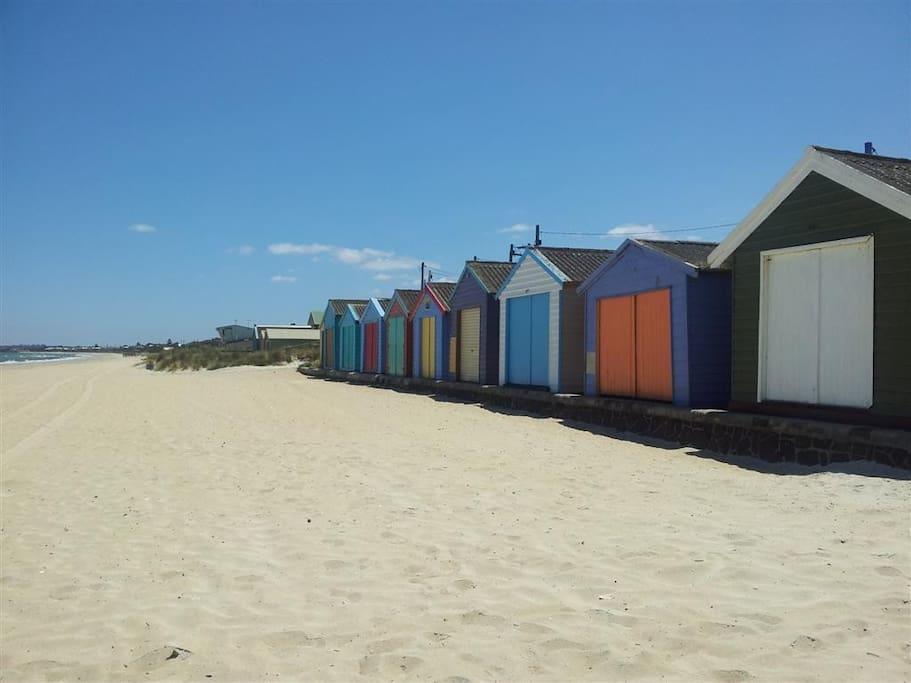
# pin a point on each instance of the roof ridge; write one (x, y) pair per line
(642, 239)
(862, 155)
(543, 246)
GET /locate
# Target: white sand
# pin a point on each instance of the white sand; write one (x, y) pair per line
(280, 527)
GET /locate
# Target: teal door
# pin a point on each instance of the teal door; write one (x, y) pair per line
(396, 346)
(527, 340)
(348, 348)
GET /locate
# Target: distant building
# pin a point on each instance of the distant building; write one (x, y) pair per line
(234, 333)
(315, 319)
(277, 336)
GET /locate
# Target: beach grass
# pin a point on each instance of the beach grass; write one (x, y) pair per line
(209, 357)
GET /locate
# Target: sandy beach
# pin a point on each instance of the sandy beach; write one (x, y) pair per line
(255, 524)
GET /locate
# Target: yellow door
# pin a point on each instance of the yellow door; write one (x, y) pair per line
(428, 348)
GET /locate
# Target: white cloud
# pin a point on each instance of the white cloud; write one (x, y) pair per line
(289, 248)
(365, 258)
(284, 279)
(382, 276)
(242, 250)
(142, 227)
(644, 230)
(517, 227)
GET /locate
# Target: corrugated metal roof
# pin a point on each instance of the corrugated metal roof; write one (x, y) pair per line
(409, 297)
(491, 274)
(442, 290)
(339, 305)
(894, 171)
(384, 304)
(695, 254)
(576, 264)
(359, 308)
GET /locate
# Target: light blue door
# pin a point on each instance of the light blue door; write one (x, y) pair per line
(527, 340)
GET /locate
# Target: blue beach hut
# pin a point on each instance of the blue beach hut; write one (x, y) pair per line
(657, 324)
(542, 316)
(430, 327)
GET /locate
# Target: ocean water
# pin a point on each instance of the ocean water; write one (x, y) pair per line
(34, 356)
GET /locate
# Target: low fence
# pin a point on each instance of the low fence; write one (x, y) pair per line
(769, 438)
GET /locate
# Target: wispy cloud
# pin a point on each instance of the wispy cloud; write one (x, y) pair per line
(382, 276)
(517, 227)
(284, 279)
(644, 230)
(289, 248)
(142, 227)
(242, 250)
(365, 258)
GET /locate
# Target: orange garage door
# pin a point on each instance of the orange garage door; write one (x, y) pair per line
(634, 346)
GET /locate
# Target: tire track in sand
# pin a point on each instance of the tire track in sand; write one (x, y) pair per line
(55, 422)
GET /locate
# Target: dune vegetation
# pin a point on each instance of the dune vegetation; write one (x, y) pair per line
(211, 357)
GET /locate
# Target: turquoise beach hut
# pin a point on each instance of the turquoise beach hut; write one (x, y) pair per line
(349, 334)
(330, 341)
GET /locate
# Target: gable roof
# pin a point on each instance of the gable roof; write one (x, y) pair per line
(316, 318)
(884, 180)
(442, 292)
(408, 298)
(695, 254)
(489, 274)
(574, 264)
(384, 304)
(894, 171)
(340, 305)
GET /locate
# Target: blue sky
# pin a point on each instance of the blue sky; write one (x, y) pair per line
(274, 154)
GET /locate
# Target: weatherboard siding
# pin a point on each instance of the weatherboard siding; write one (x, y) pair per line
(820, 210)
(530, 278)
(373, 314)
(709, 338)
(634, 271)
(427, 308)
(469, 294)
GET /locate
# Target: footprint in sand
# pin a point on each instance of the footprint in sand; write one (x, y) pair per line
(388, 645)
(291, 640)
(732, 675)
(464, 584)
(478, 618)
(158, 658)
(806, 643)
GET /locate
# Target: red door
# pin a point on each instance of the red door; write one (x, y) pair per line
(370, 339)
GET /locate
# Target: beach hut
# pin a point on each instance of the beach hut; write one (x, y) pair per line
(430, 331)
(329, 331)
(349, 333)
(657, 324)
(398, 331)
(315, 319)
(475, 317)
(821, 291)
(373, 336)
(542, 316)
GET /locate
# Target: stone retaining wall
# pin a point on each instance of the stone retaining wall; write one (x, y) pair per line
(770, 438)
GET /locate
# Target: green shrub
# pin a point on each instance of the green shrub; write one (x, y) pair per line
(213, 357)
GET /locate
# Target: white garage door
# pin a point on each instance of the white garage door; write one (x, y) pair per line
(816, 341)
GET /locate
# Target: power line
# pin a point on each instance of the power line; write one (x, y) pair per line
(641, 234)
